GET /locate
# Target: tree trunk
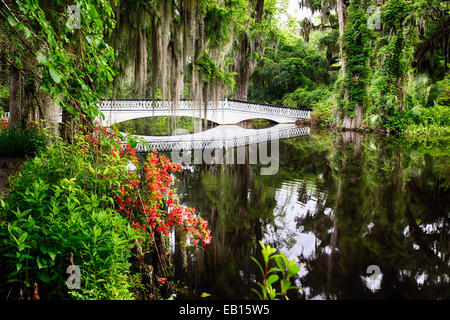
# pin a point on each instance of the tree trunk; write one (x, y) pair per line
(341, 18)
(245, 70)
(247, 49)
(353, 123)
(50, 111)
(14, 97)
(141, 58)
(116, 51)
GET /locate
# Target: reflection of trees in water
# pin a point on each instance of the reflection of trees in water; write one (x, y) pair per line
(163, 125)
(378, 198)
(376, 204)
(237, 205)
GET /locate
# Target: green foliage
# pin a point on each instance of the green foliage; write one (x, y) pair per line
(357, 52)
(304, 98)
(210, 71)
(4, 98)
(158, 126)
(291, 65)
(422, 93)
(323, 112)
(399, 121)
(73, 64)
(16, 142)
(444, 86)
(60, 204)
(429, 134)
(282, 273)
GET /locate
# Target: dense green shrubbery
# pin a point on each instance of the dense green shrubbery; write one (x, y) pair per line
(305, 98)
(426, 104)
(293, 65)
(80, 199)
(16, 142)
(431, 133)
(4, 97)
(322, 114)
(58, 205)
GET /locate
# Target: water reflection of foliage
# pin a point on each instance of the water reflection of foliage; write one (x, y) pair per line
(161, 125)
(386, 196)
(373, 198)
(237, 205)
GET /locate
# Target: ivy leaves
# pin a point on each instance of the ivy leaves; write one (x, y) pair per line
(71, 64)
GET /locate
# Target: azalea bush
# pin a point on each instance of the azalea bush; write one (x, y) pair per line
(3, 123)
(92, 204)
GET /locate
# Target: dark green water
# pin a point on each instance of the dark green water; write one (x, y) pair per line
(339, 204)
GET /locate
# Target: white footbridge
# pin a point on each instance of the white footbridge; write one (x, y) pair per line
(222, 112)
(226, 113)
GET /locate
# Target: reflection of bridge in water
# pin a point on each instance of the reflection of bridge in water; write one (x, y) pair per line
(221, 137)
(225, 113)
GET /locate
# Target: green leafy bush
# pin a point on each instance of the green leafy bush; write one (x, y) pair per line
(4, 98)
(16, 142)
(322, 113)
(428, 134)
(305, 97)
(59, 205)
(83, 204)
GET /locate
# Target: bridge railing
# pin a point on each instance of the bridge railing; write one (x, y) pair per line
(153, 105)
(237, 105)
(268, 109)
(165, 145)
(5, 115)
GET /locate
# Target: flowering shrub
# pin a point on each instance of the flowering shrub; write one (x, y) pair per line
(3, 124)
(150, 204)
(83, 199)
(147, 196)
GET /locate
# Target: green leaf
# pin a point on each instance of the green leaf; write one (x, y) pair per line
(259, 265)
(12, 21)
(41, 58)
(42, 263)
(272, 279)
(286, 284)
(52, 255)
(293, 270)
(132, 143)
(54, 74)
(259, 295)
(27, 32)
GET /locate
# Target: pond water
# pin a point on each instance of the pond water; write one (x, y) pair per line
(163, 126)
(339, 205)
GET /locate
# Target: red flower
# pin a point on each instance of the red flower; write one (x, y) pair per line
(162, 280)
